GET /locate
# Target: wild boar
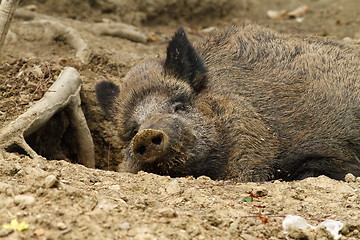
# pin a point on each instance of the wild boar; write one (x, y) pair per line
(245, 103)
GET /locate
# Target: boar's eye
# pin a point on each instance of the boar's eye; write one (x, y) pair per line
(178, 102)
(179, 107)
(132, 131)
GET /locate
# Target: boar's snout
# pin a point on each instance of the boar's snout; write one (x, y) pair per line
(149, 145)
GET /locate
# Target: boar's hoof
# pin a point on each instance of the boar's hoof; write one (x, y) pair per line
(150, 145)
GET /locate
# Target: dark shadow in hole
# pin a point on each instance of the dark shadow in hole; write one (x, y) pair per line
(56, 139)
(15, 148)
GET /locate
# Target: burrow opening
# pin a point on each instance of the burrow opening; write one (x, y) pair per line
(55, 140)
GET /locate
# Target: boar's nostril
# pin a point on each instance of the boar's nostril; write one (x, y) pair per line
(156, 140)
(150, 145)
(141, 150)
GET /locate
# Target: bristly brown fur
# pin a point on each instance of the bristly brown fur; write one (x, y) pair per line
(247, 103)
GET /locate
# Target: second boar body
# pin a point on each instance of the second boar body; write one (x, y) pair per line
(244, 103)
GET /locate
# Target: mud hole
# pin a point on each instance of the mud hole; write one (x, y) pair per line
(58, 199)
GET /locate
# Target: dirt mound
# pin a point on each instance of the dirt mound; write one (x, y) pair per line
(59, 200)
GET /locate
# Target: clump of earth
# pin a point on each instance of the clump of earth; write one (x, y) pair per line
(60, 199)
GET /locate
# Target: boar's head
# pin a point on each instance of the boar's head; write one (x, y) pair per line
(155, 112)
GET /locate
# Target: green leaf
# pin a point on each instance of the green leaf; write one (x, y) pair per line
(248, 199)
(11, 225)
(15, 225)
(22, 226)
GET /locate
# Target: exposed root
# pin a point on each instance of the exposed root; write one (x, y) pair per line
(115, 29)
(7, 9)
(82, 133)
(121, 30)
(65, 92)
(27, 15)
(52, 30)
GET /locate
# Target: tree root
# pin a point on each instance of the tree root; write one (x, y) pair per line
(121, 30)
(51, 30)
(114, 29)
(7, 9)
(64, 93)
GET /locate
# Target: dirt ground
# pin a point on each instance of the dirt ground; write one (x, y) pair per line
(59, 199)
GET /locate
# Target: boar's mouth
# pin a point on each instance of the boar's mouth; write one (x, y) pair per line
(175, 164)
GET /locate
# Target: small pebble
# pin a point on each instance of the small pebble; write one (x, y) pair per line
(51, 181)
(24, 200)
(173, 187)
(107, 204)
(350, 178)
(168, 213)
(7, 189)
(124, 226)
(115, 187)
(204, 178)
(61, 226)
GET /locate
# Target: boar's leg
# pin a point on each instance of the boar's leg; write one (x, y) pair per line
(331, 158)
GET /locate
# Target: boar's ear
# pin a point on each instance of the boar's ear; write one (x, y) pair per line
(106, 92)
(184, 62)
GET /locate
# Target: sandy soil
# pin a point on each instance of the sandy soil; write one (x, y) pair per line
(60, 199)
